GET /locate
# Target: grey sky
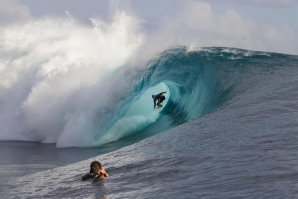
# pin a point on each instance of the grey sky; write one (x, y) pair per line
(270, 11)
(268, 21)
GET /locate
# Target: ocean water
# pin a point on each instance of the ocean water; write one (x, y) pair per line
(228, 127)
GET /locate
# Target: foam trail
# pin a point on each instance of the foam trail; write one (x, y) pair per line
(55, 77)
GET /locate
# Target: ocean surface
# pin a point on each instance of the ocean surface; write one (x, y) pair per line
(72, 93)
(228, 129)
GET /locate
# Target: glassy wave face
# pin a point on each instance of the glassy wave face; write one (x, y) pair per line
(199, 82)
(89, 106)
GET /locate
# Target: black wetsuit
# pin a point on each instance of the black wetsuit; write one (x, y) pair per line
(92, 176)
(159, 96)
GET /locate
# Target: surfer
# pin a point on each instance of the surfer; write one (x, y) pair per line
(96, 171)
(159, 98)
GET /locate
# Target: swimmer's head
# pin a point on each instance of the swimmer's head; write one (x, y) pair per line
(94, 167)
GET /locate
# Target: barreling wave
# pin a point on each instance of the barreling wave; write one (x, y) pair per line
(198, 82)
(65, 110)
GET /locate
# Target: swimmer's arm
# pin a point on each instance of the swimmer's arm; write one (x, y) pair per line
(103, 171)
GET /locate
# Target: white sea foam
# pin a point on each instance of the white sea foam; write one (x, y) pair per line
(55, 76)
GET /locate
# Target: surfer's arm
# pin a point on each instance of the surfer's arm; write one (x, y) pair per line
(154, 105)
(163, 92)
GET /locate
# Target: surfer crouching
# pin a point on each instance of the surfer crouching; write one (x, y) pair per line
(159, 98)
(96, 171)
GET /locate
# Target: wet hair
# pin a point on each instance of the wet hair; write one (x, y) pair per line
(94, 167)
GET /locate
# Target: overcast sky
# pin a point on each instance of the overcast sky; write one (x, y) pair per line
(272, 22)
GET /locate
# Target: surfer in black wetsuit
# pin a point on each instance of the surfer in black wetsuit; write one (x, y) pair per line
(96, 172)
(159, 98)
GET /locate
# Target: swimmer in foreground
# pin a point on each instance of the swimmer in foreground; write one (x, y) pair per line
(159, 98)
(96, 171)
